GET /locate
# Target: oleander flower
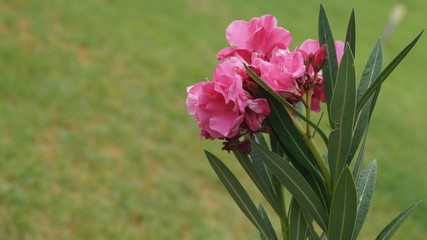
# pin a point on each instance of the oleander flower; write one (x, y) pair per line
(231, 108)
(222, 108)
(315, 58)
(311, 46)
(260, 35)
(281, 72)
(238, 57)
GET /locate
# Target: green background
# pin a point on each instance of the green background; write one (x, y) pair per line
(95, 141)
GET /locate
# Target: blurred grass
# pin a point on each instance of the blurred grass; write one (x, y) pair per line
(95, 142)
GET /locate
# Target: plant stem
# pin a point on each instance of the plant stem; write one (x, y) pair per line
(317, 156)
(320, 162)
(308, 110)
(282, 207)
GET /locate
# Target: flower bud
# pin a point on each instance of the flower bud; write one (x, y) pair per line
(319, 58)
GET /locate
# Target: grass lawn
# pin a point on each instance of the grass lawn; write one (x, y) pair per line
(95, 141)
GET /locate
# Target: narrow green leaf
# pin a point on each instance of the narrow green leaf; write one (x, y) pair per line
(318, 123)
(264, 216)
(264, 187)
(342, 115)
(295, 183)
(261, 139)
(350, 37)
(289, 137)
(371, 72)
(311, 233)
(287, 105)
(372, 69)
(360, 159)
(320, 189)
(259, 165)
(365, 190)
(240, 196)
(297, 224)
(275, 145)
(280, 194)
(317, 184)
(342, 218)
(330, 69)
(323, 236)
(394, 225)
(384, 74)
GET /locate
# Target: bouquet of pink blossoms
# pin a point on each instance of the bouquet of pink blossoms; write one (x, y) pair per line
(261, 88)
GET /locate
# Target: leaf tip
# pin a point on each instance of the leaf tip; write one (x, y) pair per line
(207, 153)
(322, 10)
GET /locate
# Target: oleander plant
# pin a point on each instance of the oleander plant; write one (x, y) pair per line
(260, 104)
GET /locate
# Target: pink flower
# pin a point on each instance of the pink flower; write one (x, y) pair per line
(238, 57)
(260, 35)
(318, 96)
(319, 58)
(311, 46)
(215, 117)
(282, 71)
(222, 108)
(256, 112)
(314, 56)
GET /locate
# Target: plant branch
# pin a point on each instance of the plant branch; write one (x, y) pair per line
(324, 169)
(278, 188)
(308, 111)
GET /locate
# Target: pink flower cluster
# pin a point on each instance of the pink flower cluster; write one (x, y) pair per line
(229, 107)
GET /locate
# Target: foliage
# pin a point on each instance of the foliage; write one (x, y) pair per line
(322, 187)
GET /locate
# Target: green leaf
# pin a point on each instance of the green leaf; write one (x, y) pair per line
(240, 196)
(384, 74)
(289, 137)
(294, 183)
(264, 216)
(311, 233)
(394, 225)
(360, 158)
(264, 188)
(317, 184)
(259, 137)
(318, 123)
(316, 181)
(259, 164)
(372, 69)
(350, 37)
(297, 224)
(323, 236)
(342, 218)
(260, 167)
(342, 115)
(283, 101)
(275, 145)
(365, 190)
(371, 72)
(330, 69)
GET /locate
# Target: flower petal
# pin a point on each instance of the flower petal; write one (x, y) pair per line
(237, 33)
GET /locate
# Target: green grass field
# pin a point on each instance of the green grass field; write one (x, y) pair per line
(95, 141)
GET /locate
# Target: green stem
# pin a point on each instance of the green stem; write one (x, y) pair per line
(320, 162)
(308, 110)
(282, 207)
(317, 156)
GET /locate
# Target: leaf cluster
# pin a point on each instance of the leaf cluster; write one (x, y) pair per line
(324, 191)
